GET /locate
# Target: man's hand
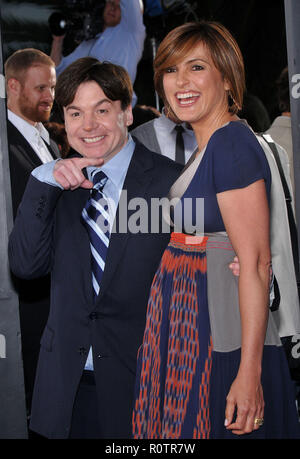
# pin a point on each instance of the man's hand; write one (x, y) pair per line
(235, 266)
(68, 172)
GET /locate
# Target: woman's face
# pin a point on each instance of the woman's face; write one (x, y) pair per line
(194, 87)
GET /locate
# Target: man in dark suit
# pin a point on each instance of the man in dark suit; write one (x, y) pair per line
(86, 371)
(30, 81)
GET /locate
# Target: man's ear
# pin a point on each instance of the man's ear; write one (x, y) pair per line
(129, 115)
(13, 86)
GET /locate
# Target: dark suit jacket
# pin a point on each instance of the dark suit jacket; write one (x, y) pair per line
(49, 236)
(22, 160)
(33, 295)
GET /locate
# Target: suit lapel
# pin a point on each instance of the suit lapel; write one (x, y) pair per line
(17, 139)
(53, 149)
(137, 180)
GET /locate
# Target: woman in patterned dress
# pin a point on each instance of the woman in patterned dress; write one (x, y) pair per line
(211, 364)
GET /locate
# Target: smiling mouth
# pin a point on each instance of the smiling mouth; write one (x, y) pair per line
(46, 107)
(93, 139)
(186, 98)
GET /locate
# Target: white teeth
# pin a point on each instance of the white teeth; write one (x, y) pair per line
(186, 102)
(186, 95)
(93, 139)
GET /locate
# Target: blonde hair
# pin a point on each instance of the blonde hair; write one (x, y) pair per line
(224, 50)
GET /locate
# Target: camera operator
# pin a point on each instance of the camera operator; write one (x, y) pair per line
(120, 42)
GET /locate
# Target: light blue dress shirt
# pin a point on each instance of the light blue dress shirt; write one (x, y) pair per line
(122, 45)
(166, 137)
(116, 170)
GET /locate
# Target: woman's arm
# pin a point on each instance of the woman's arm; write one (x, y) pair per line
(245, 214)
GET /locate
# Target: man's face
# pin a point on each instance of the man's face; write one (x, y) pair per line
(96, 126)
(36, 93)
(112, 13)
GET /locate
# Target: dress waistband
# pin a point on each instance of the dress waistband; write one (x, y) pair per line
(189, 239)
(208, 240)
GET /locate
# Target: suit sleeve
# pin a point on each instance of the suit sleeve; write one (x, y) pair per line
(30, 243)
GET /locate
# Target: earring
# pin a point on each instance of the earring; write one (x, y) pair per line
(231, 102)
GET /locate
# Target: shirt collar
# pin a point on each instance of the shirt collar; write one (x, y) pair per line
(116, 168)
(29, 131)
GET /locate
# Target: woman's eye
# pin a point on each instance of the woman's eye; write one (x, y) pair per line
(170, 70)
(197, 67)
(75, 114)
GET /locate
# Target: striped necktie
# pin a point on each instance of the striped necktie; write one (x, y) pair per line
(96, 218)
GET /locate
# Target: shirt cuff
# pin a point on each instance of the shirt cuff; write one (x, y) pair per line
(44, 173)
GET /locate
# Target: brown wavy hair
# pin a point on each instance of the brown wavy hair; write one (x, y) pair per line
(113, 79)
(224, 50)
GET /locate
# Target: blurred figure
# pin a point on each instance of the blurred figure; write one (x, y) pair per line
(168, 137)
(281, 128)
(142, 114)
(255, 113)
(121, 40)
(58, 134)
(30, 82)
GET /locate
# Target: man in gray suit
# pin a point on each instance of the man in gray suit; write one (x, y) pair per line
(160, 135)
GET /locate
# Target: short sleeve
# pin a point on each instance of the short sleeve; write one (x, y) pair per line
(238, 159)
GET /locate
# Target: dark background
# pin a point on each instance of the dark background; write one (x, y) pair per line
(258, 26)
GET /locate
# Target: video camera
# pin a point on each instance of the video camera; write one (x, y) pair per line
(80, 18)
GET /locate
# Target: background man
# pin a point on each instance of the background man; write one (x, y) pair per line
(30, 82)
(281, 128)
(86, 372)
(121, 40)
(167, 137)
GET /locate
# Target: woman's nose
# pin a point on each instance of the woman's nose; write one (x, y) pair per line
(182, 77)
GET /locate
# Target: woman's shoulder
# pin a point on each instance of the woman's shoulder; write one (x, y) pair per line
(237, 157)
(234, 131)
(237, 140)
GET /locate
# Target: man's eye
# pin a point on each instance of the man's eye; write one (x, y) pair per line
(75, 114)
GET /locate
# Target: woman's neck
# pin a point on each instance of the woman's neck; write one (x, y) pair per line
(204, 130)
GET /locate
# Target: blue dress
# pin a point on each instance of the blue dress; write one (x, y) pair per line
(182, 379)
